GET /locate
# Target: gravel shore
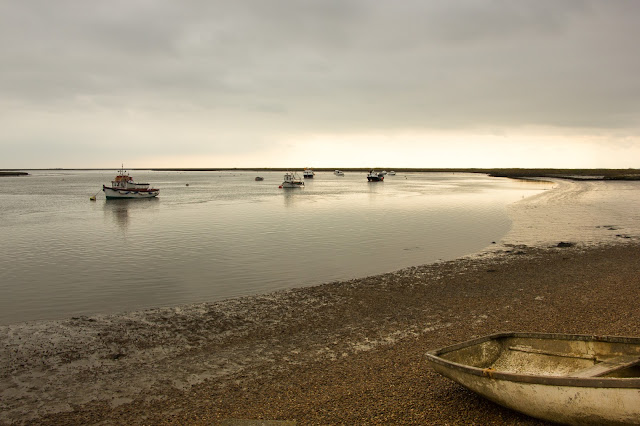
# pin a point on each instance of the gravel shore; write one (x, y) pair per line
(341, 353)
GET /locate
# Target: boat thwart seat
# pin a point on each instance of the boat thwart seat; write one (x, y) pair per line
(608, 366)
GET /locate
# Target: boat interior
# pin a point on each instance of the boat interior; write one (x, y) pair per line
(578, 356)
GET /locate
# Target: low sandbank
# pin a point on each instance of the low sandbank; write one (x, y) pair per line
(341, 353)
(12, 173)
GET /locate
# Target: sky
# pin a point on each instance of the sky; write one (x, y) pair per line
(319, 83)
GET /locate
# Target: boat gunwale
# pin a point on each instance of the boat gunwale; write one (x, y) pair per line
(433, 356)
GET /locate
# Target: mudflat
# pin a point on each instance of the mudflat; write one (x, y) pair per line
(347, 352)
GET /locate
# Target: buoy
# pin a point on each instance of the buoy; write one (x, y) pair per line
(92, 198)
(280, 186)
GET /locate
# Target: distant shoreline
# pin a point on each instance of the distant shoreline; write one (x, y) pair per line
(13, 173)
(514, 173)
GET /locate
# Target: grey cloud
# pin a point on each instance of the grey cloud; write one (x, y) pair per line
(330, 64)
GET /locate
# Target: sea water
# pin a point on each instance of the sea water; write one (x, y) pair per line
(216, 235)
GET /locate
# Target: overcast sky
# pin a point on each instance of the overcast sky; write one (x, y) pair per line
(326, 83)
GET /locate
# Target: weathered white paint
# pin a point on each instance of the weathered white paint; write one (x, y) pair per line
(561, 404)
(571, 379)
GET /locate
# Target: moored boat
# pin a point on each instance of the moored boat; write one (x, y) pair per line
(308, 173)
(374, 176)
(338, 173)
(291, 180)
(565, 378)
(259, 178)
(123, 187)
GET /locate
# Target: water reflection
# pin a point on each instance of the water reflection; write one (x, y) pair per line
(292, 195)
(374, 187)
(534, 183)
(118, 211)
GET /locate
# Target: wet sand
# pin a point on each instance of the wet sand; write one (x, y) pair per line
(341, 353)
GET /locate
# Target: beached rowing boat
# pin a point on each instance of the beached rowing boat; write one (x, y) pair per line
(564, 378)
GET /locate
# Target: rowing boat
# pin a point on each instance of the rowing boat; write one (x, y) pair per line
(564, 378)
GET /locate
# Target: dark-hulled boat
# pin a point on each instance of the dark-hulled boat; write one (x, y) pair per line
(374, 176)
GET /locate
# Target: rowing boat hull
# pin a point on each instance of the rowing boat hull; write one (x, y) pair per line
(557, 396)
(561, 404)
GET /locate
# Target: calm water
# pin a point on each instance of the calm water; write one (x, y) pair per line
(225, 235)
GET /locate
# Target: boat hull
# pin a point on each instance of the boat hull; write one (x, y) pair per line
(375, 178)
(567, 394)
(112, 194)
(561, 404)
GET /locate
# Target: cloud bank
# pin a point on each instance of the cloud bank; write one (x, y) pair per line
(236, 81)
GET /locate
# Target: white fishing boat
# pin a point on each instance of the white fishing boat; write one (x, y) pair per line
(563, 378)
(308, 173)
(392, 173)
(338, 173)
(124, 187)
(291, 180)
(374, 176)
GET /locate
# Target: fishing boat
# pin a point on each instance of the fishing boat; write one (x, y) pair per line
(308, 173)
(259, 179)
(374, 176)
(124, 187)
(563, 378)
(338, 173)
(392, 173)
(291, 180)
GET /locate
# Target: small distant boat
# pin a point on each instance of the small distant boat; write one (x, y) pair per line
(124, 187)
(259, 178)
(291, 180)
(374, 176)
(392, 173)
(338, 173)
(563, 378)
(308, 173)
